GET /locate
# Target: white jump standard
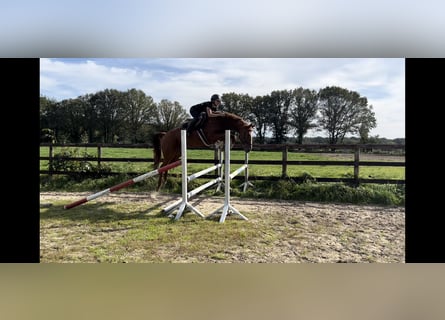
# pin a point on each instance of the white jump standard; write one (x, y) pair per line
(183, 202)
(192, 177)
(227, 207)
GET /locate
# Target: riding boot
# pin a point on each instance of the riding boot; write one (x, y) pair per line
(191, 125)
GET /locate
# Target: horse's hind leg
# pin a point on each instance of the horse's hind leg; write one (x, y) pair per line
(163, 176)
(161, 180)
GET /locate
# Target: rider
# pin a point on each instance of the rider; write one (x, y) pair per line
(201, 111)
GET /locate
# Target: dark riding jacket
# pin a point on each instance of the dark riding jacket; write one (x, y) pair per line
(196, 110)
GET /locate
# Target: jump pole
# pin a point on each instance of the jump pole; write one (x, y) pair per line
(124, 184)
(227, 207)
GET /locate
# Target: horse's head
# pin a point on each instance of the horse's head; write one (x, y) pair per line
(230, 121)
(245, 136)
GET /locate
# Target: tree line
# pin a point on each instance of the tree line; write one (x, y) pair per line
(132, 116)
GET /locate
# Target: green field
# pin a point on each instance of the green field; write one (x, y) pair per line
(286, 189)
(330, 171)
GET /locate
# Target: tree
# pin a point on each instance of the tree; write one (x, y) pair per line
(53, 117)
(110, 114)
(47, 119)
(140, 112)
(259, 116)
(239, 104)
(169, 115)
(342, 112)
(73, 119)
(90, 118)
(303, 111)
(46, 105)
(368, 122)
(280, 102)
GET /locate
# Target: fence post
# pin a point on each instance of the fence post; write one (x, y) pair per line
(99, 154)
(51, 156)
(356, 163)
(284, 164)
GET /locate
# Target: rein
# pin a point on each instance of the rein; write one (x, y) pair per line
(203, 138)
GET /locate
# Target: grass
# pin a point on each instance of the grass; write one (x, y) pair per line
(330, 171)
(379, 194)
(285, 189)
(134, 234)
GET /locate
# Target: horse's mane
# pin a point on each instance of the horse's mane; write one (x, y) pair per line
(234, 117)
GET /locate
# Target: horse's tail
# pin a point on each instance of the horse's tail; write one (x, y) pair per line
(157, 153)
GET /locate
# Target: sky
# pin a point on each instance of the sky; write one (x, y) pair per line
(193, 80)
(233, 28)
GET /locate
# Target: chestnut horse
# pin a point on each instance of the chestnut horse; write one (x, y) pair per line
(168, 144)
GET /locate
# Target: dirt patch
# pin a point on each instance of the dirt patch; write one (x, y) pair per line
(292, 231)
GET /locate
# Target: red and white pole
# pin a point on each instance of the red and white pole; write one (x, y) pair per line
(124, 184)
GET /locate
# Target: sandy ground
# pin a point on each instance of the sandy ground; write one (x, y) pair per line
(328, 233)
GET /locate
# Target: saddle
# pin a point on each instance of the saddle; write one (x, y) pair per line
(197, 124)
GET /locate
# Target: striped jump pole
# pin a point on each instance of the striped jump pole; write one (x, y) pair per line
(227, 207)
(124, 184)
(198, 189)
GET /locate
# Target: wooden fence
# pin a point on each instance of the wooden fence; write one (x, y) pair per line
(355, 149)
